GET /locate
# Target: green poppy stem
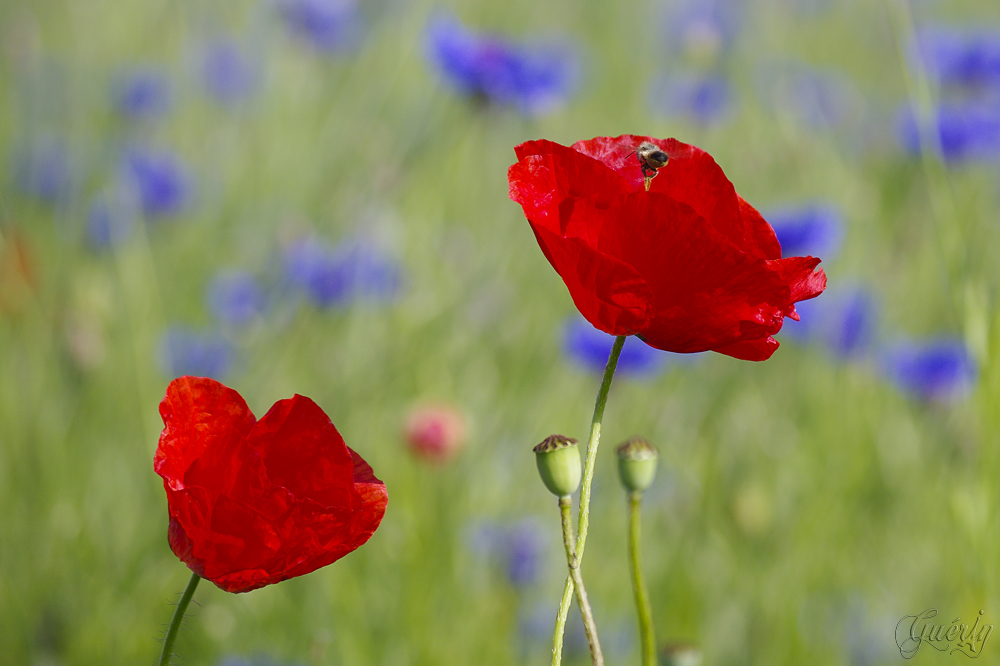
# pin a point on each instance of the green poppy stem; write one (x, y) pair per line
(588, 479)
(573, 562)
(175, 624)
(647, 636)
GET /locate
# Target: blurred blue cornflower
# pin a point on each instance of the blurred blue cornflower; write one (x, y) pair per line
(234, 297)
(184, 351)
(702, 30)
(44, 170)
(111, 217)
(534, 78)
(966, 58)
(939, 369)
(705, 99)
(844, 319)
(143, 93)
(355, 270)
(228, 72)
(588, 347)
(964, 131)
(160, 181)
(517, 548)
(814, 229)
(328, 26)
(817, 98)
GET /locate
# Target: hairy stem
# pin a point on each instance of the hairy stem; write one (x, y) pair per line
(175, 624)
(573, 563)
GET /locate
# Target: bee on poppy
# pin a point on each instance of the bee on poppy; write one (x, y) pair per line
(650, 159)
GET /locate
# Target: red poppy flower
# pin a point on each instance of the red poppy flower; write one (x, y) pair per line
(688, 266)
(256, 502)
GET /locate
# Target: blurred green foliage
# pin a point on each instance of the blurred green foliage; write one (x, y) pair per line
(803, 505)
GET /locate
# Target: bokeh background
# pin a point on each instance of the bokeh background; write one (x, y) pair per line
(309, 196)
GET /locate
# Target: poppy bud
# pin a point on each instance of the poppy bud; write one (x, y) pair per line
(636, 464)
(435, 433)
(558, 460)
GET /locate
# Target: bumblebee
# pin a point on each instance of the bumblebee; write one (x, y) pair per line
(650, 159)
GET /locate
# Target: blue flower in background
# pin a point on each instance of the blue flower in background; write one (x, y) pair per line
(159, 180)
(844, 319)
(534, 78)
(966, 58)
(235, 297)
(704, 99)
(328, 26)
(43, 170)
(228, 73)
(965, 131)
(517, 548)
(936, 370)
(703, 30)
(143, 93)
(355, 270)
(187, 352)
(589, 348)
(111, 218)
(815, 230)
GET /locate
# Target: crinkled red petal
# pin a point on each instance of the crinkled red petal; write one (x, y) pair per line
(254, 504)
(750, 350)
(196, 412)
(303, 452)
(609, 293)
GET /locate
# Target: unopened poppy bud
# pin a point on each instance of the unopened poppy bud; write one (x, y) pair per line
(558, 460)
(637, 463)
(680, 654)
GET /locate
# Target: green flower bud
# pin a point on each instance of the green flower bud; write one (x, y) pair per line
(558, 461)
(637, 463)
(680, 654)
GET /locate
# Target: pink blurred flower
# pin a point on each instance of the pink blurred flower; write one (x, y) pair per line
(435, 432)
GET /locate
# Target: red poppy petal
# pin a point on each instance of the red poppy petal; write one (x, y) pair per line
(303, 452)
(547, 183)
(196, 412)
(331, 536)
(217, 535)
(798, 274)
(692, 176)
(618, 154)
(231, 467)
(765, 243)
(707, 292)
(750, 350)
(609, 293)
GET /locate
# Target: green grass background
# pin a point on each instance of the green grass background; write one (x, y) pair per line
(804, 504)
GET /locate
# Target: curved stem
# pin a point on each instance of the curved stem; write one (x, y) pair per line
(595, 440)
(573, 562)
(647, 637)
(588, 479)
(175, 624)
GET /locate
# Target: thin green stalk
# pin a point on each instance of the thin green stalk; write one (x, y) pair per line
(175, 624)
(588, 479)
(573, 562)
(647, 636)
(561, 617)
(595, 440)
